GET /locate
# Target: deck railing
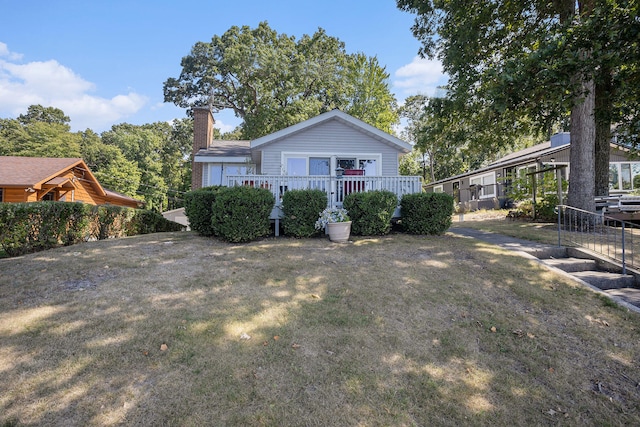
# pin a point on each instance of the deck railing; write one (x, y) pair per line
(610, 237)
(336, 188)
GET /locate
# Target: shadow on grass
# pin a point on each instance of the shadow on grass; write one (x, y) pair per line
(398, 330)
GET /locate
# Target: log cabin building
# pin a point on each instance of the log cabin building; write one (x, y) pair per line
(34, 179)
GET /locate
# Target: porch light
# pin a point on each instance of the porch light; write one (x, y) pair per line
(339, 172)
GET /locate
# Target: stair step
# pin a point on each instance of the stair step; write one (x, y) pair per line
(604, 280)
(571, 265)
(630, 295)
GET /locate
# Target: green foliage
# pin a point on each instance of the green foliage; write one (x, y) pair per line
(198, 208)
(301, 209)
(273, 80)
(241, 214)
(371, 212)
(521, 192)
(517, 62)
(32, 227)
(426, 213)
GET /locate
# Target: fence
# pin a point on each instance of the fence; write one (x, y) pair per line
(610, 237)
(336, 188)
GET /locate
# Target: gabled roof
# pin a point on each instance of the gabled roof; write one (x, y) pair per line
(340, 116)
(519, 157)
(35, 172)
(39, 172)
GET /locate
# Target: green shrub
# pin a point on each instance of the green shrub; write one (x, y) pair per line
(109, 222)
(426, 213)
(371, 212)
(32, 227)
(301, 209)
(241, 214)
(197, 207)
(146, 222)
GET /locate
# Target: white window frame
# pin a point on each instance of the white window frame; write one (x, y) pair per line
(484, 193)
(438, 189)
(618, 166)
(206, 171)
(332, 169)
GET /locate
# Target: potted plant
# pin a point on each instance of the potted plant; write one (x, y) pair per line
(336, 222)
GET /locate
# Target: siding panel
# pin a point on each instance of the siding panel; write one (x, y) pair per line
(329, 138)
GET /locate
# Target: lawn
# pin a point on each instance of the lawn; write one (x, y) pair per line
(176, 329)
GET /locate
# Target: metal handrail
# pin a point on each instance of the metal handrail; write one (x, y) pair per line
(610, 237)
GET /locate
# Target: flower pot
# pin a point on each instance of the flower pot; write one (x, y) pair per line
(339, 231)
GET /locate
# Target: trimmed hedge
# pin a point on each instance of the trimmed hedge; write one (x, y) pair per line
(301, 209)
(426, 213)
(241, 214)
(197, 207)
(371, 212)
(32, 227)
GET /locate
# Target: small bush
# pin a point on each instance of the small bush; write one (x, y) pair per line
(146, 222)
(241, 214)
(197, 207)
(426, 213)
(301, 209)
(371, 212)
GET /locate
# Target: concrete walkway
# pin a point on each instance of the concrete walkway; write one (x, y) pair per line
(627, 297)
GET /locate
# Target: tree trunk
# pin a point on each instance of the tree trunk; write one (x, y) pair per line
(603, 131)
(582, 158)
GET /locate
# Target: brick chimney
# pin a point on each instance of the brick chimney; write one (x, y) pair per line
(202, 137)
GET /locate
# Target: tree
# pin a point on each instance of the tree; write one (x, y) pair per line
(272, 80)
(38, 113)
(160, 152)
(42, 132)
(368, 94)
(534, 59)
(110, 166)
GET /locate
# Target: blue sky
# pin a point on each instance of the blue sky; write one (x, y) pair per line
(104, 63)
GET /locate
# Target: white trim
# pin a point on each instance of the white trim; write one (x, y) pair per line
(212, 159)
(438, 188)
(492, 186)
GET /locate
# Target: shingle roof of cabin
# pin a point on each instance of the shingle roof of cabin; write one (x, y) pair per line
(34, 171)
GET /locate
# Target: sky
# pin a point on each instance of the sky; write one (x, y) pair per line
(104, 63)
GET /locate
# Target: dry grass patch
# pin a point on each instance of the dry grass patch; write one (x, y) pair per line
(496, 221)
(175, 329)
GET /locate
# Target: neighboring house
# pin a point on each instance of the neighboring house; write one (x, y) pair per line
(488, 187)
(34, 179)
(334, 152)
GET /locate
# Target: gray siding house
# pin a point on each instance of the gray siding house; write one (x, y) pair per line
(488, 187)
(333, 151)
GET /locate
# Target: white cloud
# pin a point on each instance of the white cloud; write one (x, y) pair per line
(4, 51)
(421, 76)
(50, 83)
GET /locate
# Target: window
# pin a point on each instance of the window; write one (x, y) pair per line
(347, 163)
(296, 166)
(319, 166)
(438, 189)
(485, 184)
(624, 176)
(216, 174)
(369, 166)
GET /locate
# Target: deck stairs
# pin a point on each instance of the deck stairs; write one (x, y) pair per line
(584, 266)
(593, 272)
